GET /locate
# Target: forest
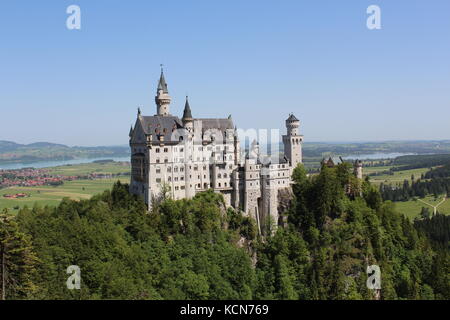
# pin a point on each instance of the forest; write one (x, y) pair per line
(197, 248)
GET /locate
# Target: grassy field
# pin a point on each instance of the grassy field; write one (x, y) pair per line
(48, 195)
(88, 168)
(76, 190)
(412, 208)
(397, 178)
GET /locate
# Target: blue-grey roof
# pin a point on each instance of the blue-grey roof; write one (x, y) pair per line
(187, 114)
(220, 124)
(161, 125)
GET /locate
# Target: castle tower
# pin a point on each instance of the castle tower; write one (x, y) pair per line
(293, 141)
(237, 148)
(162, 98)
(188, 121)
(358, 169)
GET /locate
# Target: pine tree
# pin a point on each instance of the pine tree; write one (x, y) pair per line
(17, 261)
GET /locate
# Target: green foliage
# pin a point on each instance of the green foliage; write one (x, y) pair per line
(17, 261)
(198, 249)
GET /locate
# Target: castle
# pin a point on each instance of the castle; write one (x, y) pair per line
(190, 155)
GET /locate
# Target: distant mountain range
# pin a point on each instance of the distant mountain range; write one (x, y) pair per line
(11, 152)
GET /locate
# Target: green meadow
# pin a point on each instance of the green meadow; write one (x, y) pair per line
(49, 195)
(76, 190)
(88, 168)
(397, 178)
(412, 208)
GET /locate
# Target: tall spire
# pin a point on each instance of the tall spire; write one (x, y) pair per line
(162, 98)
(162, 85)
(187, 114)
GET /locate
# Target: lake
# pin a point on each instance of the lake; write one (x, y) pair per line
(377, 156)
(46, 164)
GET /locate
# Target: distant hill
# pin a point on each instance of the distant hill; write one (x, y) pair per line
(320, 149)
(11, 152)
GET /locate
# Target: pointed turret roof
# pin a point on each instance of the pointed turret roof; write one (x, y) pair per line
(187, 114)
(162, 85)
(292, 118)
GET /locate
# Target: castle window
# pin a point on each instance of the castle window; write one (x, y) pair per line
(157, 160)
(220, 185)
(224, 175)
(182, 187)
(175, 169)
(157, 150)
(181, 149)
(158, 180)
(219, 176)
(166, 150)
(176, 188)
(169, 169)
(225, 184)
(182, 178)
(158, 170)
(169, 179)
(166, 160)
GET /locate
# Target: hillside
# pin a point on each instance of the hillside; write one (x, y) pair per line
(195, 249)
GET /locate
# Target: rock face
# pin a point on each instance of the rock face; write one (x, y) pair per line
(285, 197)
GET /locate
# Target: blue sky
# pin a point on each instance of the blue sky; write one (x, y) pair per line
(257, 60)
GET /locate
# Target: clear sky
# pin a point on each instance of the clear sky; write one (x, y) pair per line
(257, 60)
